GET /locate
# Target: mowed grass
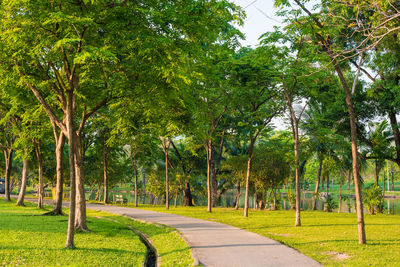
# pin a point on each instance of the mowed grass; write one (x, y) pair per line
(171, 248)
(26, 238)
(330, 238)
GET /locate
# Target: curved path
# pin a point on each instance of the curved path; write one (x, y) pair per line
(217, 244)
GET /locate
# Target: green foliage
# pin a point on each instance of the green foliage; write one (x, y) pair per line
(373, 197)
(330, 204)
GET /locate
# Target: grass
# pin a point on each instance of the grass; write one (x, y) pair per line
(170, 246)
(29, 239)
(330, 238)
(26, 238)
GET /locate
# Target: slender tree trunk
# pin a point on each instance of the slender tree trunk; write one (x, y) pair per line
(377, 169)
(354, 150)
(176, 197)
(8, 156)
(135, 172)
(21, 196)
(60, 143)
(80, 219)
(166, 143)
(71, 137)
(237, 196)
(340, 197)
(314, 206)
(144, 187)
(274, 205)
(392, 181)
(249, 165)
(39, 157)
(255, 202)
(297, 172)
(348, 180)
(214, 193)
(105, 166)
(210, 159)
(327, 181)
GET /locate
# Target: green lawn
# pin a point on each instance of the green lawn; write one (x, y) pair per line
(329, 238)
(26, 238)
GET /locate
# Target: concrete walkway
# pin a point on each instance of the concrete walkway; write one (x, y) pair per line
(217, 244)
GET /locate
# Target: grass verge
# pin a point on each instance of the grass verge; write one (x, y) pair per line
(26, 238)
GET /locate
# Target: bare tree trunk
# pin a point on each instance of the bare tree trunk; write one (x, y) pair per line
(105, 166)
(80, 219)
(21, 196)
(210, 160)
(296, 155)
(392, 181)
(237, 196)
(314, 206)
(249, 165)
(274, 205)
(8, 156)
(166, 144)
(60, 174)
(340, 197)
(377, 169)
(176, 196)
(348, 180)
(144, 187)
(39, 157)
(134, 166)
(354, 150)
(71, 137)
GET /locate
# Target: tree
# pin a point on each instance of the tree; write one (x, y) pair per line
(253, 93)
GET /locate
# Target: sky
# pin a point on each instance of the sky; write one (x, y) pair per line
(260, 19)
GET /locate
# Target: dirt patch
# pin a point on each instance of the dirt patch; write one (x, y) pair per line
(337, 255)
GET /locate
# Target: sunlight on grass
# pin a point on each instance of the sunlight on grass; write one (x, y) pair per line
(330, 238)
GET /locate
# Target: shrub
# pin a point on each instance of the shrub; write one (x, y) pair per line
(373, 199)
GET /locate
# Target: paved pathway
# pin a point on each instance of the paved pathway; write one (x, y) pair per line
(217, 244)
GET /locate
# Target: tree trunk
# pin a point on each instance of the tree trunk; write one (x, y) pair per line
(187, 195)
(354, 150)
(72, 146)
(377, 169)
(249, 165)
(8, 156)
(134, 166)
(237, 196)
(327, 181)
(21, 196)
(314, 206)
(340, 197)
(176, 197)
(210, 160)
(80, 219)
(39, 157)
(392, 181)
(274, 204)
(60, 143)
(166, 143)
(348, 180)
(255, 202)
(144, 187)
(297, 161)
(105, 166)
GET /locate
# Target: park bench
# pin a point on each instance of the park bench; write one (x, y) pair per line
(120, 199)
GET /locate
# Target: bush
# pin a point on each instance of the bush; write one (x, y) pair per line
(373, 199)
(330, 204)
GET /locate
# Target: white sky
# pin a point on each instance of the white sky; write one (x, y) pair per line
(260, 19)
